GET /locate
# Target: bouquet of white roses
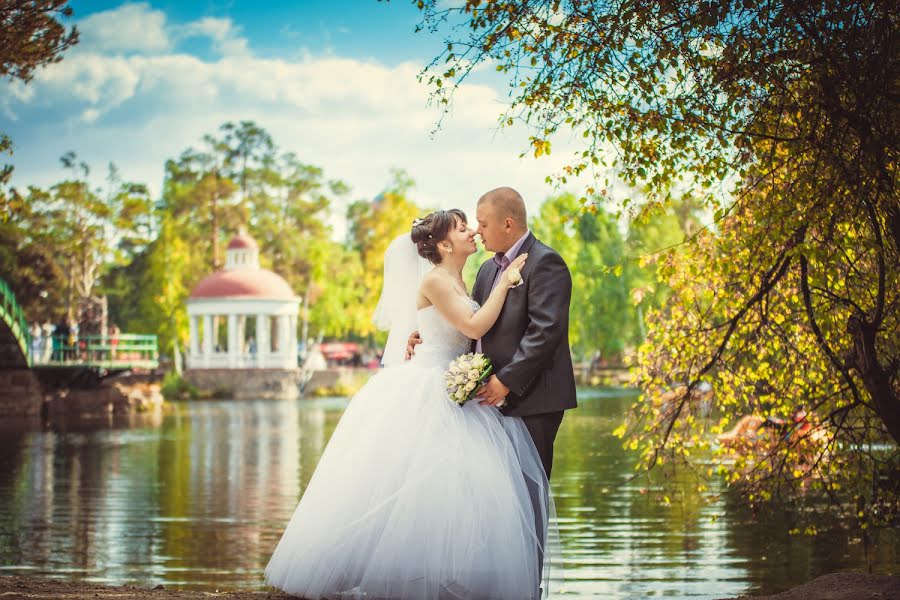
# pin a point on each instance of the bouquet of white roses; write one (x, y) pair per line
(465, 375)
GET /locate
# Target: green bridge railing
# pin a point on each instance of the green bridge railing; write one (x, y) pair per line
(12, 314)
(119, 351)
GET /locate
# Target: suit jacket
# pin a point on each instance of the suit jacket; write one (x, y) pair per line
(529, 343)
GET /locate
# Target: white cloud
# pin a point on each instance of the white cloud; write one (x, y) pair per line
(223, 33)
(356, 119)
(127, 28)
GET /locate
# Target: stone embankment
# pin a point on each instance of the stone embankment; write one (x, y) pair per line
(246, 384)
(118, 396)
(23, 396)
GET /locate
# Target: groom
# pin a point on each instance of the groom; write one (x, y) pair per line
(529, 343)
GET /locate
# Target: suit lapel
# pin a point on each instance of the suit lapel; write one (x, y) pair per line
(483, 281)
(487, 274)
(527, 244)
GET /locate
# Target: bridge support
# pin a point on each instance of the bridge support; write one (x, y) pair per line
(21, 394)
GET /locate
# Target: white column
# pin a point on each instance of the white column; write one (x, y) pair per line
(207, 339)
(232, 341)
(241, 339)
(283, 338)
(195, 341)
(292, 351)
(262, 340)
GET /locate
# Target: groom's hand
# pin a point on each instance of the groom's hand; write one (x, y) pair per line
(493, 392)
(411, 343)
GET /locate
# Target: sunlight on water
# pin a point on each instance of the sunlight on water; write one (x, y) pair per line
(197, 499)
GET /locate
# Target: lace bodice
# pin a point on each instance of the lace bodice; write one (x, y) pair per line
(441, 341)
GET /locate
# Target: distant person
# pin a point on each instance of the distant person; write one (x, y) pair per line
(771, 427)
(74, 337)
(113, 340)
(47, 341)
(37, 348)
(61, 341)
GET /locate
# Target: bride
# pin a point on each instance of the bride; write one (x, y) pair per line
(416, 497)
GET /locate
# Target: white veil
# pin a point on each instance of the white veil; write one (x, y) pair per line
(396, 310)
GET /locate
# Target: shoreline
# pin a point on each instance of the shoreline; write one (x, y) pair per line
(834, 586)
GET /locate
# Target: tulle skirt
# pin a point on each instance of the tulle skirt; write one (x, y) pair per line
(416, 497)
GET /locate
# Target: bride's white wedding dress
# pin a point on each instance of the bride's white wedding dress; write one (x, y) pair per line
(416, 497)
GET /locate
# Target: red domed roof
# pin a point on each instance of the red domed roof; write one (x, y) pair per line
(242, 240)
(246, 283)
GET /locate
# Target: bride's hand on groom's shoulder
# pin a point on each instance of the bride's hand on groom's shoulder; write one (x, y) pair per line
(513, 273)
(414, 339)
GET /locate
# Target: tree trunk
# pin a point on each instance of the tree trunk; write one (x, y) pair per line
(215, 223)
(876, 378)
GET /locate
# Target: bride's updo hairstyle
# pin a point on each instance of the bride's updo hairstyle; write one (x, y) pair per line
(427, 233)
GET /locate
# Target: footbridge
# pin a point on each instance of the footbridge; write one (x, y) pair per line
(62, 357)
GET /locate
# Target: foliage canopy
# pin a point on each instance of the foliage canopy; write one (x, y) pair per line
(32, 35)
(781, 117)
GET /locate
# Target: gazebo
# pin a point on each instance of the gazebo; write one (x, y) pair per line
(242, 319)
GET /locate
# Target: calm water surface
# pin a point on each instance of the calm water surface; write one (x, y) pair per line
(197, 499)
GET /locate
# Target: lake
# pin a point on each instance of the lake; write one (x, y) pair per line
(196, 498)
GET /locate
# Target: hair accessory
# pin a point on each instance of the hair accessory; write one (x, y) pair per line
(417, 222)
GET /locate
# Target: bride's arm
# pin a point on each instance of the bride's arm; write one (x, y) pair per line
(441, 292)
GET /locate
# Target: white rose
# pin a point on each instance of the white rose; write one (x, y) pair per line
(454, 368)
(473, 375)
(470, 386)
(513, 275)
(459, 380)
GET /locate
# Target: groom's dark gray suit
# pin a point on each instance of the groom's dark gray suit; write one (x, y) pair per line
(529, 343)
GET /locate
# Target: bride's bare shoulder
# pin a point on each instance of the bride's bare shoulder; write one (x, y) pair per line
(436, 276)
(435, 282)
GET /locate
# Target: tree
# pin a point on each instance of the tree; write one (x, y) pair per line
(240, 180)
(653, 233)
(373, 226)
(202, 198)
(133, 229)
(28, 258)
(782, 118)
(290, 217)
(59, 244)
(591, 244)
(31, 36)
(249, 153)
(134, 215)
(163, 288)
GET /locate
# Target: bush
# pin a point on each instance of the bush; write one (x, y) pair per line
(174, 387)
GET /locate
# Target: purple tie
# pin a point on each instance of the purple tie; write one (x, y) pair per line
(502, 262)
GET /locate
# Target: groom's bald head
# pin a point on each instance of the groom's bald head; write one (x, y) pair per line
(501, 218)
(507, 203)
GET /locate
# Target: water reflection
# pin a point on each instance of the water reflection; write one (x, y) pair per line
(197, 499)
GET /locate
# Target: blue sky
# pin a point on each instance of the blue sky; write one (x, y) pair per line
(333, 82)
(357, 28)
